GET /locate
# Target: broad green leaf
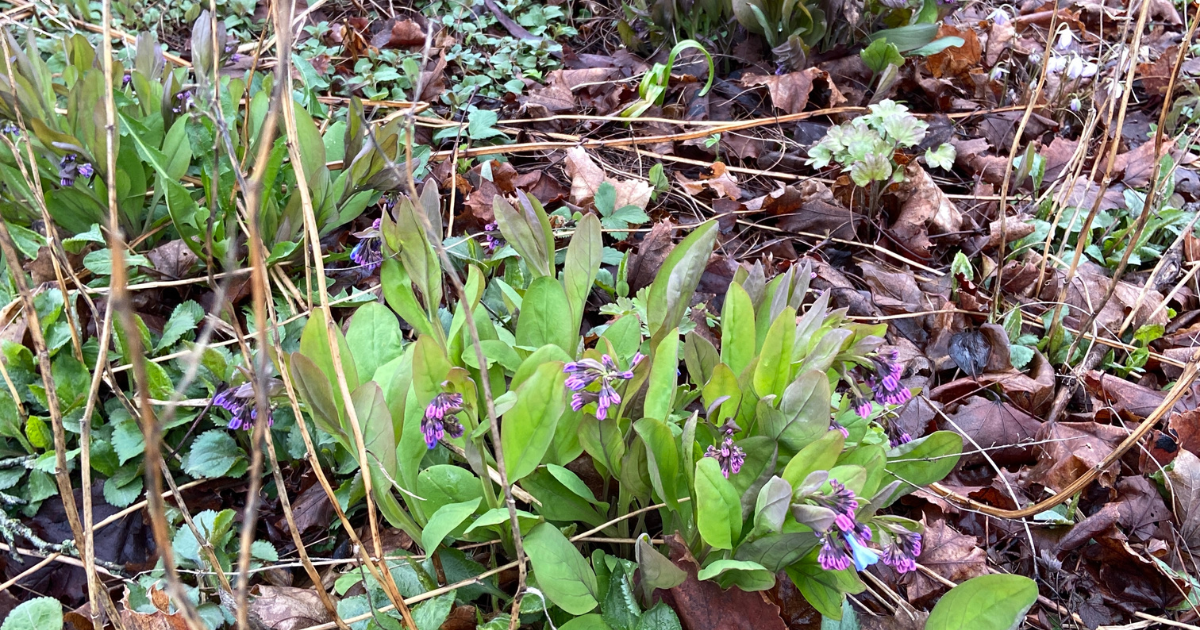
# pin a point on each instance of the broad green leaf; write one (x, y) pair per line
(825, 590)
(772, 505)
(527, 229)
(662, 458)
(987, 602)
(907, 38)
(772, 374)
(213, 454)
(373, 337)
(718, 507)
(672, 290)
(561, 571)
(805, 407)
(560, 502)
(657, 570)
(943, 157)
(375, 420)
(737, 329)
(442, 484)
(581, 265)
(430, 615)
(444, 521)
(545, 317)
(776, 551)
(880, 54)
(314, 345)
(398, 291)
(746, 575)
(314, 389)
(663, 374)
(183, 319)
(529, 426)
(499, 518)
(820, 455)
(923, 461)
(39, 613)
(625, 334)
(586, 622)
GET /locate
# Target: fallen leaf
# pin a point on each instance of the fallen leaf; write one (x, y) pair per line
(704, 605)
(1068, 450)
(651, 253)
(924, 210)
(989, 424)
(808, 207)
(161, 619)
(399, 34)
(952, 555)
(720, 181)
(586, 177)
(172, 260)
(955, 60)
(790, 91)
(288, 608)
(309, 510)
(1185, 495)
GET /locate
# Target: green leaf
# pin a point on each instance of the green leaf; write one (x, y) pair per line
(373, 337)
(545, 317)
(776, 551)
(443, 484)
(987, 602)
(213, 454)
(820, 455)
(619, 609)
(943, 157)
(657, 570)
(746, 575)
(183, 319)
(671, 293)
(880, 54)
(444, 521)
(528, 231)
(432, 614)
(849, 620)
(773, 371)
(660, 617)
(498, 518)
(907, 38)
(314, 345)
(38, 433)
(718, 507)
(663, 376)
(40, 613)
(825, 590)
(581, 265)
(772, 505)
(529, 426)
(938, 45)
(923, 461)
(586, 622)
(562, 572)
(874, 167)
(662, 458)
(572, 482)
(737, 329)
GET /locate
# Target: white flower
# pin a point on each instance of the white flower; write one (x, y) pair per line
(999, 17)
(1075, 104)
(1064, 39)
(1056, 64)
(997, 73)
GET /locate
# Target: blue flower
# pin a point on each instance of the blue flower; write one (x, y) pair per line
(863, 556)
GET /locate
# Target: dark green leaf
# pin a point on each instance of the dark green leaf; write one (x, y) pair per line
(562, 572)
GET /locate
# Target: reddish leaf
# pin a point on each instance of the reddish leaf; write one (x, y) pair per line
(948, 553)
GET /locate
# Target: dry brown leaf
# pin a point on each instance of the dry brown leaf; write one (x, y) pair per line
(161, 619)
(998, 41)
(948, 553)
(586, 177)
(790, 91)
(720, 181)
(956, 60)
(288, 608)
(924, 210)
(1070, 449)
(1185, 493)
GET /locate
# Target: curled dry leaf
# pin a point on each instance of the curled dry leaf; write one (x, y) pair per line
(720, 181)
(1070, 449)
(790, 91)
(955, 60)
(991, 424)
(586, 177)
(924, 210)
(1185, 493)
(161, 619)
(288, 608)
(952, 555)
(808, 207)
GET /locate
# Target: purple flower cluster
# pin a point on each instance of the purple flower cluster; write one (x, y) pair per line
(10, 128)
(125, 80)
(239, 402)
(884, 381)
(69, 168)
(368, 252)
(490, 241)
(584, 372)
(183, 101)
(729, 455)
(441, 418)
(901, 547)
(843, 543)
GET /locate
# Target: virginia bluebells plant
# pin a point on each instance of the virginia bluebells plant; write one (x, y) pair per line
(900, 546)
(886, 380)
(239, 402)
(729, 455)
(69, 168)
(368, 252)
(441, 418)
(490, 242)
(584, 372)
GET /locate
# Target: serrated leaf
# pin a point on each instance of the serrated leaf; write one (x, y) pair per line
(213, 454)
(184, 318)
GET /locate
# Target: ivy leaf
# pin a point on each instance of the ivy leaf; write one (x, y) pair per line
(943, 157)
(183, 318)
(213, 454)
(881, 54)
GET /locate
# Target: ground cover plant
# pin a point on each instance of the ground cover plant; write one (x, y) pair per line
(595, 315)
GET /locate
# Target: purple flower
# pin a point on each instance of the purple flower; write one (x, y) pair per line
(184, 101)
(861, 405)
(126, 79)
(368, 252)
(584, 372)
(901, 548)
(10, 128)
(729, 455)
(834, 425)
(833, 555)
(85, 170)
(886, 380)
(239, 402)
(490, 242)
(440, 418)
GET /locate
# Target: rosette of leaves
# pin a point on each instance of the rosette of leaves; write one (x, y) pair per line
(866, 146)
